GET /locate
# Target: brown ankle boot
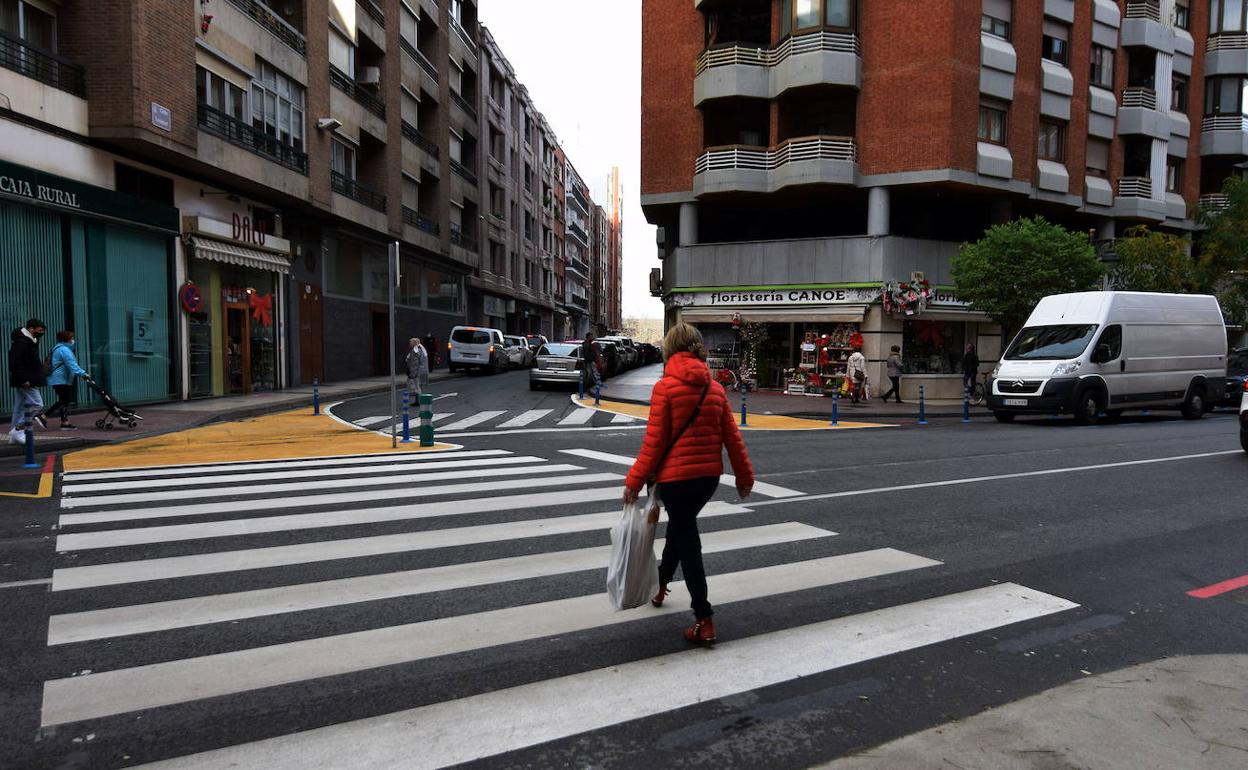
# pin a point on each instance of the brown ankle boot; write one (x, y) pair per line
(657, 601)
(701, 632)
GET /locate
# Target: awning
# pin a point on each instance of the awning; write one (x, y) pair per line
(221, 251)
(969, 316)
(826, 313)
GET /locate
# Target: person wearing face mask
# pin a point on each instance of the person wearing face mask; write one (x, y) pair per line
(65, 370)
(26, 376)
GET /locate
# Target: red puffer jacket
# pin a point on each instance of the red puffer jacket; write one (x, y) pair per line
(699, 452)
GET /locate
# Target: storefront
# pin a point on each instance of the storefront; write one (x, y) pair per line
(234, 301)
(99, 263)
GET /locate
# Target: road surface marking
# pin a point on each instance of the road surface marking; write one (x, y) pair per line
(525, 418)
(367, 421)
(531, 431)
(728, 480)
(578, 416)
(45, 483)
(25, 583)
(468, 422)
(119, 691)
(622, 418)
(208, 469)
(438, 417)
(346, 473)
(333, 518)
(73, 578)
(1218, 589)
(219, 608)
(467, 470)
(449, 733)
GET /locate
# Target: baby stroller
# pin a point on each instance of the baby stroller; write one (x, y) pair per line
(116, 412)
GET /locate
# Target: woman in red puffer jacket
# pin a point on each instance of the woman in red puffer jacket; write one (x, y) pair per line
(688, 464)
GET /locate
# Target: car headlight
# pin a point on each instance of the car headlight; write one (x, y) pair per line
(995, 371)
(1069, 367)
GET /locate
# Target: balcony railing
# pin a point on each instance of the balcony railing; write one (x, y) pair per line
(462, 34)
(420, 140)
(1135, 187)
(1144, 9)
(373, 12)
(47, 68)
(236, 132)
(764, 159)
(838, 42)
(1214, 202)
(579, 232)
(267, 18)
(343, 82)
(420, 221)
(463, 241)
(465, 105)
(1224, 123)
(462, 170)
(344, 185)
(420, 59)
(1139, 97)
(1227, 41)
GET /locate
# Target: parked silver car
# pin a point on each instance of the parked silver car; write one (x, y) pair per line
(558, 363)
(519, 354)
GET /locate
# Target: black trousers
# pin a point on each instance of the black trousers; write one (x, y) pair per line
(64, 398)
(896, 383)
(683, 501)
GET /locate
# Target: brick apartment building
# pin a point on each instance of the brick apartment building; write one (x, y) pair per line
(206, 190)
(800, 155)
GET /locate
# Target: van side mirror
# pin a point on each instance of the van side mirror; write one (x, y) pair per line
(1103, 354)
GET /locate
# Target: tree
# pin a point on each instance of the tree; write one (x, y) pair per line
(1016, 264)
(1151, 261)
(1222, 265)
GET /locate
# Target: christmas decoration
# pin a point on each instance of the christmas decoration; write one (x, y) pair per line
(262, 308)
(908, 298)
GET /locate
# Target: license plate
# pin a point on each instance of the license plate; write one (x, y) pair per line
(1015, 402)
(470, 355)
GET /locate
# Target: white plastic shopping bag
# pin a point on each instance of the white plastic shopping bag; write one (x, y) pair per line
(633, 573)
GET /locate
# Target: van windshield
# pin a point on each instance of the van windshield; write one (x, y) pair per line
(1044, 343)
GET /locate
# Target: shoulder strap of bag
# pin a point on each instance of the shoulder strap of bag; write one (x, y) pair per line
(692, 417)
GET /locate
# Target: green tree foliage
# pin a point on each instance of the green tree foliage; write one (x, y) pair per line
(1152, 261)
(1016, 264)
(1223, 259)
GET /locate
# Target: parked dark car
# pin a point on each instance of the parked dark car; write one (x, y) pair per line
(650, 353)
(1236, 376)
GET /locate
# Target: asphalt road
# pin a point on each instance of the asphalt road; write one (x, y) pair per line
(1018, 557)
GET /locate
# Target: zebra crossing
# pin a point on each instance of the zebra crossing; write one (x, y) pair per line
(200, 589)
(451, 424)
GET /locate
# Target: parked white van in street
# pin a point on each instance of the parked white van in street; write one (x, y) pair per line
(1094, 354)
(472, 347)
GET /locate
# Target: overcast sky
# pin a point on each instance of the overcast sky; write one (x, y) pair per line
(581, 61)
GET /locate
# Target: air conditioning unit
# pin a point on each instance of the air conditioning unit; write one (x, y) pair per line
(369, 76)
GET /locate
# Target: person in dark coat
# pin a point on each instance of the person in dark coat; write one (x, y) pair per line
(970, 368)
(26, 377)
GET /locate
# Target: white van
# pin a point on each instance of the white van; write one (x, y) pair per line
(1096, 353)
(474, 347)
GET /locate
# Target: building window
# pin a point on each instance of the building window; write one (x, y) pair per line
(1182, 17)
(144, 185)
(457, 78)
(992, 122)
(1224, 95)
(1178, 93)
(932, 347)
(1226, 16)
(1098, 157)
(442, 291)
(1056, 44)
(1174, 175)
(220, 94)
(277, 105)
(1103, 67)
(807, 15)
(342, 158)
(29, 23)
(408, 25)
(996, 18)
(341, 53)
(1051, 141)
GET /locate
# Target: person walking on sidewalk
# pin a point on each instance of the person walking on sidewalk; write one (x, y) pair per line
(690, 424)
(970, 369)
(65, 371)
(893, 363)
(856, 371)
(417, 363)
(431, 350)
(26, 376)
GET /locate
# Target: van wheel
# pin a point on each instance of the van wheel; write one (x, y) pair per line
(1004, 416)
(1087, 408)
(1194, 407)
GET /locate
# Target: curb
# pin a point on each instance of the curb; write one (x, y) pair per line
(809, 415)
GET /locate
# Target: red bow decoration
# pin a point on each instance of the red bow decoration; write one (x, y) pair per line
(262, 308)
(932, 332)
(855, 340)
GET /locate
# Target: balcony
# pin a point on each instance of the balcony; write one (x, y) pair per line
(344, 185)
(579, 232)
(420, 140)
(1224, 135)
(373, 11)
(1135, 187)
(1142, 26)
(1227, 54)
(464, 173)
(817, 58)
(458, 238)
(344, 83)
(47, 68)
(420, 221)
(580, 267)
(1214, 203)
(419, 58)
(1139, 114)
(242, 134)
(274, 24)
(464, 105)
(1144, 9)
(807, 160)
(464, 37)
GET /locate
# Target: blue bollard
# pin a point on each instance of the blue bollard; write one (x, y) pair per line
(580, 387)
(30, 447)
(966, 410)
(836, 398)
(316, 396)
(922, 408)
(598, 393)
(744, 422)
(407, 419)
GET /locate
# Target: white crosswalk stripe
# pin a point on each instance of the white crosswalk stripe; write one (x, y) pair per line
(482, 423)
(239, 554)
(524, 418)
(728, 480)
(468, 422)
(578, 416)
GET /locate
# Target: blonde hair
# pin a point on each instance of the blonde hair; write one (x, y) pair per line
(683, 338)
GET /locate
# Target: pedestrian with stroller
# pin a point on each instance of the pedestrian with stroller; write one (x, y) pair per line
(26, 377)
(970, 369)
(690, 424)
(856, 371)
(417, 363)
(893, 364)
(65, 371)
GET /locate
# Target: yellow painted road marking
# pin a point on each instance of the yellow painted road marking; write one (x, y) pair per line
(286, 436)
(45, 483)
(756, 421)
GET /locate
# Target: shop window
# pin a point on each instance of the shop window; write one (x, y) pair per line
(443, 291)
(1103, 67)
(1052, 141)
(1056, 43)
(219, 93)
(996, 17)
(992, 121)
(344, 268)
(277, 105)
(933, 347)
(408, 291)
(1098, 157)
(1178, 93)
(144, 185)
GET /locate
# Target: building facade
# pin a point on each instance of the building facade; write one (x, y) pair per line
(811, 163)
(206, 191)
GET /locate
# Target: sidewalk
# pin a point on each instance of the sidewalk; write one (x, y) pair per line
(635, 386)
(174, 416)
